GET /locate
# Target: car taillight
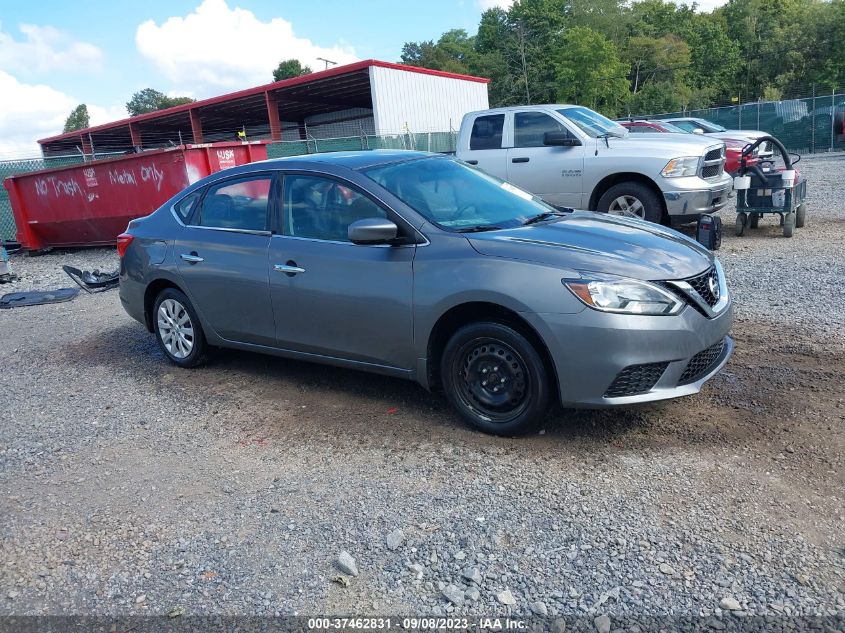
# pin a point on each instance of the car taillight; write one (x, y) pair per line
(123, 242)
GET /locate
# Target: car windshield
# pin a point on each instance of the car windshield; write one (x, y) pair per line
(457, 197)
(709, 126)
(669, 127)
(591, 123)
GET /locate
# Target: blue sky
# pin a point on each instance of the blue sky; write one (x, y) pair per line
(56, 54)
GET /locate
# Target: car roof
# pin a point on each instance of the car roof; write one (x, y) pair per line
(539, 108)
(361, 159)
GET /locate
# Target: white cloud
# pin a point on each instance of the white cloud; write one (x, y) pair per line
(490, 4)
(216, 47)
(32, 111)
(46, 49)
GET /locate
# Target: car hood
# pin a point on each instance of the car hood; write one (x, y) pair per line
(668, 144)
(597, 242)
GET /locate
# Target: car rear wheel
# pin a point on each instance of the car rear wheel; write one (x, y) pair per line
(495, 378)
(177, 329)
(632, 200)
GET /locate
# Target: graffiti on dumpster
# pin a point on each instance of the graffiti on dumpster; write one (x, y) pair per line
(122, 177)
(154, 174)
(68, 187)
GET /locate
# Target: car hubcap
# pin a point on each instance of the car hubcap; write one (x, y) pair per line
(175, 328)
(627, 206)
(492, 380)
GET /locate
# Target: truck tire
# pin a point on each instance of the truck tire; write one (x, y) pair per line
(632, 199)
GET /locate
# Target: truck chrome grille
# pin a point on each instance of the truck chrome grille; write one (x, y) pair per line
(714, 162)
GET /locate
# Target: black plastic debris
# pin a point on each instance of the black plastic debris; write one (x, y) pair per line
(37, 297)
(95, 281)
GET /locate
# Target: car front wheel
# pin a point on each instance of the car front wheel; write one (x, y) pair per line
(495, 378)
(632, 200)
(177, 329)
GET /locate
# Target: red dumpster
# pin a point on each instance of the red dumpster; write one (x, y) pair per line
(91, 203)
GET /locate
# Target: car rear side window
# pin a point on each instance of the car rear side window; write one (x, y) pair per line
(530, 127)
(186, 206)
(237, 204)
(487, 132)
(322, 209)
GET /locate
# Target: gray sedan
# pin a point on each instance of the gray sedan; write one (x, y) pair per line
(419, 266)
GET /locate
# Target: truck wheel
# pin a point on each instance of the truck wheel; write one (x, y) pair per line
(801, 215)
(753, 220)
(495, 378)
(633, 200)
(740, 224)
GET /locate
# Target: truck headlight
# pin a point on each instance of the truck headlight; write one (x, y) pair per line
(626, 296)
(683, 166)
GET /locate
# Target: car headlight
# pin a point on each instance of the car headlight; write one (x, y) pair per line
(625, 296)
(683, 166)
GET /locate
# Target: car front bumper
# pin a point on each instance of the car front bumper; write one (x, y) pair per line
(590, 349)
(697, 200)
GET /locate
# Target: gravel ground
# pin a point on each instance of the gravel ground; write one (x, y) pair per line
(129, 486)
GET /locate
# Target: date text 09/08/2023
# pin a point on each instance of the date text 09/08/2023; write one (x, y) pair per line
(417, 623)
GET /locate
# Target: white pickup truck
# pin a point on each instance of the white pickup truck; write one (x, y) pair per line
(574, 157)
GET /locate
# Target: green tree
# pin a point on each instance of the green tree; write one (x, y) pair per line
(78, 119)
(453, 52)
(290, 68)
(149, 100)
(589, 71)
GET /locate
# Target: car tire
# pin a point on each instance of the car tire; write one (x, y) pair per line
(495, 378)
(789, 224)
(801, 215)
(178, 330)
(632, 199)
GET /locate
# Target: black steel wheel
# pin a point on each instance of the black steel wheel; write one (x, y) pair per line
(495, 378)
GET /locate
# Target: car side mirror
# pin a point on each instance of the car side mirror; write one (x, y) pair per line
(698, 130)
(560, 139)
(372, 231)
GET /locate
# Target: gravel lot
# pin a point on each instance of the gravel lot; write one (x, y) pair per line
(129, 486)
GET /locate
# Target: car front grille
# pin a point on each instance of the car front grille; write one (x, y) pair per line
(635, 379)
(701, 284)
(714, 162)
(702, 363)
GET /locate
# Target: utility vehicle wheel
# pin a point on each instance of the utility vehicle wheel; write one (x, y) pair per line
(632, 200)
(177, 329)
(801, 215)
(740, 224)
(753, 220)
(495, 378)
(789, 224)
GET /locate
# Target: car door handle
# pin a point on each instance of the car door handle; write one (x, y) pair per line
(191, 258)
(521, 159)
(290, 269)
(472, 162)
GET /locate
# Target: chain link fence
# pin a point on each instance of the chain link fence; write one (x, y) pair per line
(804, 125)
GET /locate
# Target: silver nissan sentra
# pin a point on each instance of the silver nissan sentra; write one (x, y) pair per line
(419, 266)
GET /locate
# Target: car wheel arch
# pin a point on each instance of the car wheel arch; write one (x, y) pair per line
(615, 179)
(478, 311)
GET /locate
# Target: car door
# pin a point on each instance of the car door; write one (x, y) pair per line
(222, 258)
(486, 145)
(332, 297)
(552, 173)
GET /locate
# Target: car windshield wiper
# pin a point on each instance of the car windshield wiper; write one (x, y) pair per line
(545, 215)
(480, 228)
